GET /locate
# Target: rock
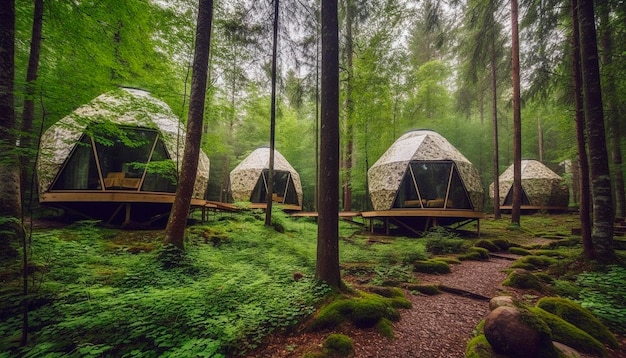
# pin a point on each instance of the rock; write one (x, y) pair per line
(499, 301)
(567, 351)
(518, 333)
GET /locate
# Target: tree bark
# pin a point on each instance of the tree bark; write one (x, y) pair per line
(583, 163)
(327, 266)
(28, 113)
(349, 105)
(613, 112)
(175, 230)
(494, 115)
(270, 172)
(10, 200)
(517, 117)
(603, 215)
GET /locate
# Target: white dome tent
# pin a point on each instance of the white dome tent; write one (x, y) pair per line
(120, 151)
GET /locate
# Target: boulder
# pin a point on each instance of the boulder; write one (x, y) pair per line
(500, 301)
(517, 332)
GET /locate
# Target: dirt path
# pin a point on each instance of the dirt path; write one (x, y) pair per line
(436, 326)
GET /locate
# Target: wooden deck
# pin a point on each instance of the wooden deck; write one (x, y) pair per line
(427, 218)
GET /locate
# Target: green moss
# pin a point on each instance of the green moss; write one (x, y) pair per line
(524, 265)
(539, 261)
(442, 246)
(429, 290)
(471, 256)
(431, 266)
(385, 291)
(575, 314)
(568, 334)
(478, 347)
(545, 333)
(363, 311)
(385, 328)
(519, 251)
(545, 278)
(524, 280)
(338, 345)
(502, 244)
(486, 244)
(448, 260)
(484, 253)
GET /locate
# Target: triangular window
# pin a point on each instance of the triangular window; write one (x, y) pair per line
(284, 189)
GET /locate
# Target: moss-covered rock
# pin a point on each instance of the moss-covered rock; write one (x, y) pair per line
(568, 334)
(338, 345)
(471, 256)
(431, 266)
(539, 261)
(363, 311)
(385, 328)
(478, 347)
(519, 251)
(486, 244)
(484, 253)
(520, 278)
(580, 317)
(502, 244)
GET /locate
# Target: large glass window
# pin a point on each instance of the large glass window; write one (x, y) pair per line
(432, 184)
(283, 188)
(136, 158)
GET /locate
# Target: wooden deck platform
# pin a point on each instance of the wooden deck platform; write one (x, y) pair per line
(427, 218)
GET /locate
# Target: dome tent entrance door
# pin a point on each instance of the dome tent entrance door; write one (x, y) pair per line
(284, 191)
(432, 184)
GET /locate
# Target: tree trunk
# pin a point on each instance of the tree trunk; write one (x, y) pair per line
(603, 216)
(494, 115)
(583, 163)
(28, 114)
(175, 230)
(517, 117)
(349, 149)
(270, 172)
(612, 106)
(327, 266)
(10, 200)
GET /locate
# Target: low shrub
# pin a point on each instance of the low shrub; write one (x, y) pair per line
(568, 334)
(486, 244)
(580, 317)
(431, 266)
(442, 246)
(338, 345)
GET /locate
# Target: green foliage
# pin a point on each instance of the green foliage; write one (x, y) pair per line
(431, 266)
(532, 262)
(580, 317)
(604, 294)
(568, 334)
(338, 344)
(391, 275)
(444, 246)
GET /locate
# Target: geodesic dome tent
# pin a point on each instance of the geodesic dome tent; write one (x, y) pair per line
(422, 170)
(123, 147)
(249, 179)
(541, 187)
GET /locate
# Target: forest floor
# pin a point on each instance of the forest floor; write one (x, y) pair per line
(435, 326)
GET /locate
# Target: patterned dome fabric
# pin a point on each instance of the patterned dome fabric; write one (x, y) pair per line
(245, 176)
(125, 107)
(386, 175)
(542, 186)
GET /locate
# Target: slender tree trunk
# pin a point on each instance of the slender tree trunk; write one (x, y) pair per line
(10, 200)
(348, 164)
(517, 117)
(603, 215)
(583, 163)
(612, 105)
(327, 267)
(494, 115)
(175, 230)
(28, 113)
(270, 173)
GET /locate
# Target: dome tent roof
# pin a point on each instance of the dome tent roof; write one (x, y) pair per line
(542, 186)
(244, 177)
(386, 175)
(126, 107)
